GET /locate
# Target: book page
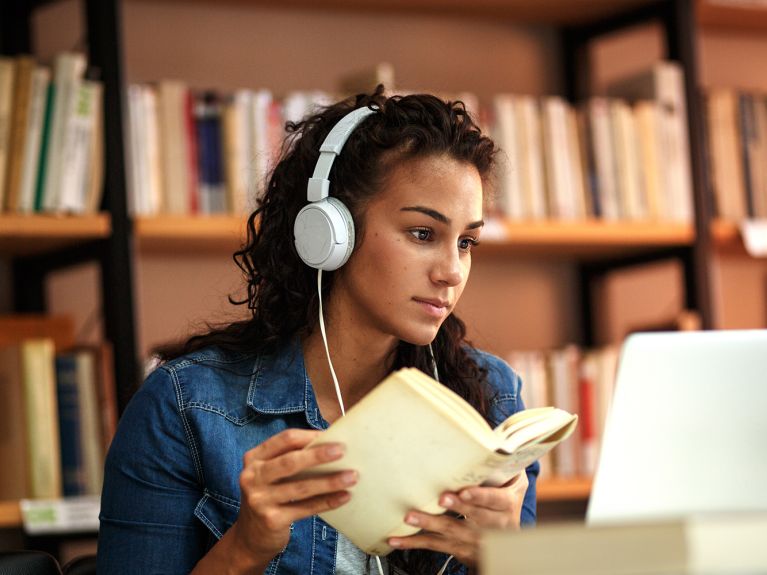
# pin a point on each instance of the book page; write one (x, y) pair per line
(408, 449)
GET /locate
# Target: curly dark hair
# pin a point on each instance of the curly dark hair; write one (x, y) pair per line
(282, 290)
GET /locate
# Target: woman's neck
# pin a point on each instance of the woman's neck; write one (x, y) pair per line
(360, 364)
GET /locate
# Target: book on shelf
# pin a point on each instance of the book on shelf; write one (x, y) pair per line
(58, 410)
(725, 166)
(578, 381)
(51, 136)
(6, 103)
(31, 413)
(365, 80)
(710, 544)
(437, 441)
(664, 83)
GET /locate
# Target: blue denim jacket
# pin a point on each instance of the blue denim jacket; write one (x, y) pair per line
(171, 481)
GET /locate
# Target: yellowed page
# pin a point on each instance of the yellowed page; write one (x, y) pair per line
(407, 453)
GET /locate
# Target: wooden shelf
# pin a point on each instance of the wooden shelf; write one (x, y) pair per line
(532, 11)
(10, 514)
(557, 489)
(591, 239)
(22, 234)
(182, 234)
(738, 16)
(552, 489)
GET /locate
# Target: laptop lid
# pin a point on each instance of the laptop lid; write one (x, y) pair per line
(687, 429)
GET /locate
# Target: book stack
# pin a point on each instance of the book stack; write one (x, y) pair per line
(736, 123)
(59, 411)
(204, 152)
(577, 381)
(51, 136)
(622, 157)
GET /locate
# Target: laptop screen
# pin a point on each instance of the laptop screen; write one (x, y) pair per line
(687, 429)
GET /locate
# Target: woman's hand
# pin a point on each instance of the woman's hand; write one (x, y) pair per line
(483, 507)
(272, 498)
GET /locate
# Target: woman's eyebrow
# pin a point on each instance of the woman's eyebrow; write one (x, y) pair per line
(429, 212)
(440, 217)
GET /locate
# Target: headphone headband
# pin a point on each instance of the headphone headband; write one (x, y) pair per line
(318, 187)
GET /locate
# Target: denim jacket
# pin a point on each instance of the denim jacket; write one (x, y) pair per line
(171, 483)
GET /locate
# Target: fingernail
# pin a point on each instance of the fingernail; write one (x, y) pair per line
(334, 450)
(349, 477)
(465, 495)
(395, 543)
(412, 520)
(447, 501)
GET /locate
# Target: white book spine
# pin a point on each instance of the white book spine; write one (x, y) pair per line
(512, 201)
(77, 148)
(151, 136)
(530, 111)
(68, 72)
(41, 78)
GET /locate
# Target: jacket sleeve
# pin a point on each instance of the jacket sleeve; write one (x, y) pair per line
(505, 400)
(151, 488)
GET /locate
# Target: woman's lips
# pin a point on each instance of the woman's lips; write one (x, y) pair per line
(433, 307)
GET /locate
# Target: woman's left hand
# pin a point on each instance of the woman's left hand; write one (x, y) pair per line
(482, 507)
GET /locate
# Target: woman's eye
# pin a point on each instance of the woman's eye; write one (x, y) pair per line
(421, 234)
(466, 244)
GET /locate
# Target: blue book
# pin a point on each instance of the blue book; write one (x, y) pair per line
(210, 154)
(72, 470)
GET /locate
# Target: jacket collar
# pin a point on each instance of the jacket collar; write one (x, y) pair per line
(279, 385)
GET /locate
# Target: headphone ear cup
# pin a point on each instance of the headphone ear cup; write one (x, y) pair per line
(324, 234)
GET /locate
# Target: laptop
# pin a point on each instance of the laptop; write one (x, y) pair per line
(686, 433)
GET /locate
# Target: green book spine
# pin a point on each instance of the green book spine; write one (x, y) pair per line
(40, 187)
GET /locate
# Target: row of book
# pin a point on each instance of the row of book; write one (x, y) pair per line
(613, 158)
(578, 381)
(51, 136)
(58, 416)
(609, 158)
(736, 123)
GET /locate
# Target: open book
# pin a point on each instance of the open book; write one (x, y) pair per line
(411, 439)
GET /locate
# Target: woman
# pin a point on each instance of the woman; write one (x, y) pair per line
(200, 476)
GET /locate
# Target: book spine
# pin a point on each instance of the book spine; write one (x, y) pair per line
(70, 435)
(25, 67)
(6, 107)
(45, 144)
(32, 152)
(69, 69)
(42, 418)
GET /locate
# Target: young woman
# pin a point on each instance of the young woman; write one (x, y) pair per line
(201, 474)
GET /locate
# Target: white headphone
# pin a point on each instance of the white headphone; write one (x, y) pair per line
(324, 228)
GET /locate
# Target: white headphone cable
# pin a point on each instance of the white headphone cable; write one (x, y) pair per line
(341, 401)
(325, 341)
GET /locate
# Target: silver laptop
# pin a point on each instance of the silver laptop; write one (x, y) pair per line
(687, 429)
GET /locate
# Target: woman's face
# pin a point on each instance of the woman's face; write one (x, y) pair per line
(411, 266)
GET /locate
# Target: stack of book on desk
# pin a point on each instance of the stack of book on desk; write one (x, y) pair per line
(704, 545)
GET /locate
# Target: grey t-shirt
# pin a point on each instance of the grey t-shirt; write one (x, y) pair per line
(351, 560)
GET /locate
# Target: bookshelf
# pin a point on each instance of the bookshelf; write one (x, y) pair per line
(22, 235)
(10, 514)
(616, 243)
(548, 490)
(553, 239)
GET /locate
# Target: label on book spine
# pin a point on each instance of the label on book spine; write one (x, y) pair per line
(71, 514)
(755, 237)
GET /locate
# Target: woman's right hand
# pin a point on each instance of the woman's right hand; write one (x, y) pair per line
(272, 498)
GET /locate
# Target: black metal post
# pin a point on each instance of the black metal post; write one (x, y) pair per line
(15, 27)
(680, 32)
(104, 26)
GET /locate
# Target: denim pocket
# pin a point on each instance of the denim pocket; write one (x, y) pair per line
(217, 512)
